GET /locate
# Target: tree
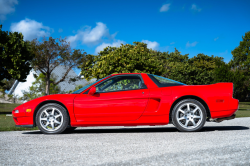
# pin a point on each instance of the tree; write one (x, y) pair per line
(15, 57)
(38, 88)
(7, 84)
(241, 54)
(240, 63)
(223, 73)
(54, 52)
(170, 60)
(77, 87)
(198, 70)
(127, 58)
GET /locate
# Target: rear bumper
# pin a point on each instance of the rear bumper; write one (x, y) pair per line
(233, 106)
(218, 120)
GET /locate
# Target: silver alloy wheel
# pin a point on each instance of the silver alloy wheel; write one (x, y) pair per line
(189, 115)
(51, 119)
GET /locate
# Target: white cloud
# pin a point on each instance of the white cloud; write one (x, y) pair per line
(165, 7)
(216, 38)
(7, 7)
(191, 44)
(24, 86)
(104, 45)
(91, 36)
(154, 45)
(172, 43)
(195, 8)
(31, 29)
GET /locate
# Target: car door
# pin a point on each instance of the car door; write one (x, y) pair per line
(119, 98)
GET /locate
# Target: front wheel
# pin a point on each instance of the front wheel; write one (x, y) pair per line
(189, 115)
(52, 119)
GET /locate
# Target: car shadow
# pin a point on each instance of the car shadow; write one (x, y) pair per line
(145, 130)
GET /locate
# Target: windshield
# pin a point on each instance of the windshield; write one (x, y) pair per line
(87, 86)
(164, 82)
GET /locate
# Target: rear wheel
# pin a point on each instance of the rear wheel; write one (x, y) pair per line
(52, 119)
(189, 115)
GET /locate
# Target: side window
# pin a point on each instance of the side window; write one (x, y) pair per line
(120, 83)
(103, 85)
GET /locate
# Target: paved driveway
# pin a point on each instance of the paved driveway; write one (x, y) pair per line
(226, 143)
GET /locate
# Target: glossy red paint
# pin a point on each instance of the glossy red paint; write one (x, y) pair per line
(151, 106)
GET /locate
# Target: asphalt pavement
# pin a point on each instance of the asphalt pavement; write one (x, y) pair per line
(225, 143)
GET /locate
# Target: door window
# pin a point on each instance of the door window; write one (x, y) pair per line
(120, 83)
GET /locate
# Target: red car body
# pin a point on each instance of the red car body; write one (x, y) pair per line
(151, 106)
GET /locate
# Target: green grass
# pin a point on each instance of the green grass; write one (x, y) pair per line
(7, 123)
(7, 108)
(244, 110)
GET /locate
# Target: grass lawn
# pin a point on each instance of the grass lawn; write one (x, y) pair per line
(7, 122)
(7, 108)
(244, 110)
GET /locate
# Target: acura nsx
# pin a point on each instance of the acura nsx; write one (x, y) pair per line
(130, 99)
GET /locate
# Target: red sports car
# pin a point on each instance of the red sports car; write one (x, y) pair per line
(130, 100)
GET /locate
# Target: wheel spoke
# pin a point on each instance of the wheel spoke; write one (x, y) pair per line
(186, 122)
(195, 110)
(197, 117)
(44, 119)
(182, 111)
(193, 122)
(57, 122)
(57, 116)
(53, 111)
(188, 107)
(47, 114)
(182, 118)
(46, 124)
(52, 125)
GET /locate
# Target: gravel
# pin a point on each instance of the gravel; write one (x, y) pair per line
(225, 143)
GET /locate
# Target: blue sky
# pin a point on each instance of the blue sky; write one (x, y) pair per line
(191, 26)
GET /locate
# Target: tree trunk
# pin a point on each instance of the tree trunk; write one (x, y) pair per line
(47, 84)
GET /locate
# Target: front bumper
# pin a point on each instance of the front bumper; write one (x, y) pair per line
(21, 119)
(26, 126)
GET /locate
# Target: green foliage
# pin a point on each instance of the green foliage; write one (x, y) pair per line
(170, 60)
(7, 84)
(54, 52)
(240, 63)
(224, 73)
(241, 54)
(38, 88)
(198, 70)
(15, 56)
(136, 58)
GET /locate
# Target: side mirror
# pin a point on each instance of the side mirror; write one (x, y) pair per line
(143, 86)
(92, 91)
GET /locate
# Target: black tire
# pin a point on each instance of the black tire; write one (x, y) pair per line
(59, 111)
(189, 120)
(69, 129)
